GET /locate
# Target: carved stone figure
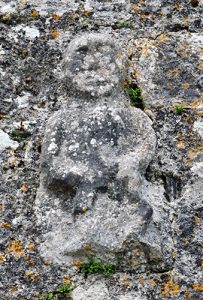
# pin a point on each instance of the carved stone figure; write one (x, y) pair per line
(95, 153)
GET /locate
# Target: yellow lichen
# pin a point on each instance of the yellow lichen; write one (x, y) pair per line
(34, 13)
(86, 12)
(134, 262)
(192, 153)
(31, 275)
(13, 161)
(135, 74)
(37, 294)
(55, 17)
(24, 188)
(6, 18)
(30, 261)
(66, 279)
(180, 145)
(119, 55)
(55, 34)
(174, 254)
(170, 288)
(182, 53)
(88, 248)
(185, 85)
(31, 247)
(141, 281)
(197, 103)
(2, 258)
(187, 295)
(174, 72)
(197, 220)
(136, 8)
(200, 65)
(24, 52)
(5, 225)
(77, 263)
(185, 240)
(145, 50)
(14, 289)
(125, 281)
(162, 38)
(23, 2)
(198, 287)
(178, 5)
(169, 86)
(46, 262)
(185, 20)
(16, 248)
(2, 116)
(125, 83)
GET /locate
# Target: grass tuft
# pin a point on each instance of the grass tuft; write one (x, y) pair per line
(96, 266)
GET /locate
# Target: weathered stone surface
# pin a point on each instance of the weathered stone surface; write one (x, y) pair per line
(95, 153)
(162, 42)
(90, 66)
(198, 127)
(6, 142)
(96, 291)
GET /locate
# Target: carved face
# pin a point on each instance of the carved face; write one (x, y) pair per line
(91, 66)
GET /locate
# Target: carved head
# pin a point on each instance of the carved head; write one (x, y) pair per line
(91, 65)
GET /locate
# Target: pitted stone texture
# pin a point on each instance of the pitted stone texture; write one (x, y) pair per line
(94, 157)
(6, 142)
(198, 127)
(96, 291)
(192, 195)
(163, 67)
(91, 66)
(31, 65)
(190, 229)
(92, 171)
(132, 296)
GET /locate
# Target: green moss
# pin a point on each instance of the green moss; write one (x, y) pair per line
(65, 289)
(19, 135)
(179, 108)
(135, 94)
(63, 292)
(124, 24)
(48, 296)
(96, 266)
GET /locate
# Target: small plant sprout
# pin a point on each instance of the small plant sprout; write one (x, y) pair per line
(63, 292)
(124, 24)
(179, 108)
(94, 265)
(48, 296)
(65, 289)
(135, 94)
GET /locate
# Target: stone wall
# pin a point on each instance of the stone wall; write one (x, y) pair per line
(159, 44)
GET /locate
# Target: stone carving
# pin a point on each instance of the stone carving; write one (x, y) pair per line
(95, 153)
